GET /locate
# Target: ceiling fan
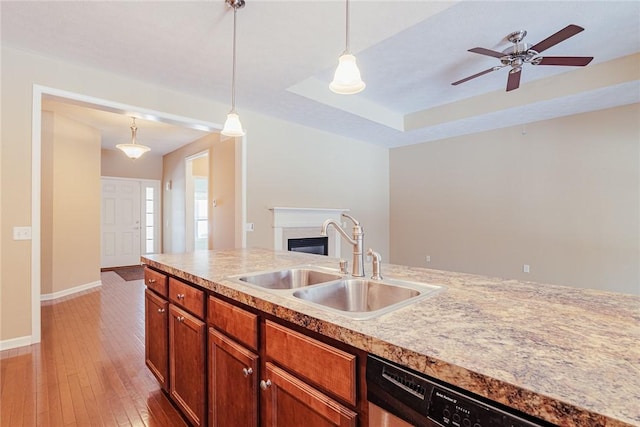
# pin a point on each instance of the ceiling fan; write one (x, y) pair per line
(523, 53)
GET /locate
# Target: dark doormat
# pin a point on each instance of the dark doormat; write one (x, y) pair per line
(128, 273)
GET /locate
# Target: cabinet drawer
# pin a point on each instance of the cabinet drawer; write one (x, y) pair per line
(186, 296)
(330, 368)
(155, 281)
(234, 321)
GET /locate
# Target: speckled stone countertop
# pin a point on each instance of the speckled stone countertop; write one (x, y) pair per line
(566, 355)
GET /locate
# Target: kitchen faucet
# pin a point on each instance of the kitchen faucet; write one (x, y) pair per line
(356, 241)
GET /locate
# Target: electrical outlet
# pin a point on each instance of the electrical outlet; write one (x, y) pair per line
(21, 233)
(428, 258)
(525, 268)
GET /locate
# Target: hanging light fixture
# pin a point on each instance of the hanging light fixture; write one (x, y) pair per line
(133, 150)
(347, 80)
(232, 126)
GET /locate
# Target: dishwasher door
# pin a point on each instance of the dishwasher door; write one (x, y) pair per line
(400, 397)
(379, 417)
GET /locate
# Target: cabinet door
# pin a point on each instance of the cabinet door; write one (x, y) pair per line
(233, 383)
(289, 402)
(187, 335)
(156, 337)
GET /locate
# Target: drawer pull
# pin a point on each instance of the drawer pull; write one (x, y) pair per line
(161, 310)
(247, 371)
(180, 296)
(180, 319)
(150, 281)
(265, 384)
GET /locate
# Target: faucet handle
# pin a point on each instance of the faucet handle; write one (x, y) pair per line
(344, 266)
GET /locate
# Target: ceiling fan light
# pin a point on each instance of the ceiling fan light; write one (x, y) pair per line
(347, 79)
(133, 151)
(232, 126)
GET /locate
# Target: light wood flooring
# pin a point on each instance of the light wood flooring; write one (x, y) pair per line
(89, 368)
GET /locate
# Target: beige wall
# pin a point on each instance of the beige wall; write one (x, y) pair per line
(223, 191)
(562, 198)
(46, 200)
(76, 202)
(114, 163)
(70, 199)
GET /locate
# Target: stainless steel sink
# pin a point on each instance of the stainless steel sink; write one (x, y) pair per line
(291, 278)
(364, 299)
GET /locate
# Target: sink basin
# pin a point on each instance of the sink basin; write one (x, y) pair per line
(291, 278)
(364, 299)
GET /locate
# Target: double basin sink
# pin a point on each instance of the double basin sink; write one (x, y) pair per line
(357, 298)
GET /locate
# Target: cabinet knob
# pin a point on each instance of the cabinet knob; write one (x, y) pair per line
(161, 310)
(180, 296)
(247, 371)
(151, 280)
(180, 318)
(265, 384)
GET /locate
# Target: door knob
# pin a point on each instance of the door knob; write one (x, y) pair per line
(247, 371)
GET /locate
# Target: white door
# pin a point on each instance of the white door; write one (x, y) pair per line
(120, 232)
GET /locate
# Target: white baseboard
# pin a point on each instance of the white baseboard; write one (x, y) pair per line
(15, 343)
(70, 291)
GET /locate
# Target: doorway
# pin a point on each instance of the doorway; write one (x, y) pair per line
(42, 92)
(129, 220)
(197, 202)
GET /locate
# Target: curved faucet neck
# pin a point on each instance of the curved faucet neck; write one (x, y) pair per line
(339, 229)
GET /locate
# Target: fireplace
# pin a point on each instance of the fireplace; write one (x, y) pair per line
(300, 224)
(310, 245)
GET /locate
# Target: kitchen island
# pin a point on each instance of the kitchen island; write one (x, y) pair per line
(565, 355)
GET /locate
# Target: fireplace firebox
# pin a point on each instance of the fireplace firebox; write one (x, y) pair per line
(310, 245)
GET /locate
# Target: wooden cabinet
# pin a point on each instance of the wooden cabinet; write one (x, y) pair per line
(233, 383)
(298, 391)
(187, 336)
(233, 365)
(244, 370)
(289, 402)
(156, 337)
(326, 367)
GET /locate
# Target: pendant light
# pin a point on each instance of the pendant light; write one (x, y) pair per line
(133, 150)
(232, 126)
(347, 80)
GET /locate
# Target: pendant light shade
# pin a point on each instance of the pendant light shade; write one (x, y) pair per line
(347, 80)
(133, 150)
(232, 126)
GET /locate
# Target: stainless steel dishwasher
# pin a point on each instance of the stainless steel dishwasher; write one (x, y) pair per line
(400, 397)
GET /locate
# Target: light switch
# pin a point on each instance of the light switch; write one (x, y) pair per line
(21, 233)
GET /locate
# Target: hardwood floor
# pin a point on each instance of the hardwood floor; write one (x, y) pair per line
(89, 368)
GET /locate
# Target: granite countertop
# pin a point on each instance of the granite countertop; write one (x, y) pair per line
(566, 355)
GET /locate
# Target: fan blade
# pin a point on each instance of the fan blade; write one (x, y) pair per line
(514, 80)
(481, 73)
(563, 34)
(488, 52)
(571, 61)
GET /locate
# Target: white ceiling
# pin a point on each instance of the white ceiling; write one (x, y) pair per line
(409, 52)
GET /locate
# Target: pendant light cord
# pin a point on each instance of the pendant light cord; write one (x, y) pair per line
(347, 49)
(134, 128)
(233, 72)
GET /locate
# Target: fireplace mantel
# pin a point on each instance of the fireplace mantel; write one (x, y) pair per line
(304, 222)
